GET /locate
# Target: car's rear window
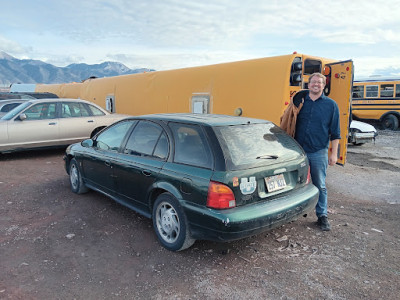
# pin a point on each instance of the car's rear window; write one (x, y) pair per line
(252, 145)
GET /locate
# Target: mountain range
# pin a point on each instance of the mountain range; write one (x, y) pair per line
(13, 70)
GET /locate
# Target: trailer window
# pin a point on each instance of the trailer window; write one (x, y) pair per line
(200, 104)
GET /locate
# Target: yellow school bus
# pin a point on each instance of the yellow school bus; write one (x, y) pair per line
(377, 100)
(258, 88)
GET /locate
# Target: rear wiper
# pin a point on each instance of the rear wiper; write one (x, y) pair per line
(267, 156)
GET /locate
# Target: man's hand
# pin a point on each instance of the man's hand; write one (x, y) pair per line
(332, 159)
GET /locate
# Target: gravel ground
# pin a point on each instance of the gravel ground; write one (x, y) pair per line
(58, 245)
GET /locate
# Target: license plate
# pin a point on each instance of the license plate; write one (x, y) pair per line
(275, 183)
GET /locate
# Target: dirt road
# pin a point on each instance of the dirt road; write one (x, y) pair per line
(58, 245)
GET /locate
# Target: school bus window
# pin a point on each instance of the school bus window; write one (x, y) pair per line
(311, 66)
(387, 90)
(397, 90)
(372, 91)
(358, 91)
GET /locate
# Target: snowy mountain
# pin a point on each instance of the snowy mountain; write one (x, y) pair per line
(14, 70)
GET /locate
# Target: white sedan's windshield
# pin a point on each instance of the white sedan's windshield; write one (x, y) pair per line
(12, 113)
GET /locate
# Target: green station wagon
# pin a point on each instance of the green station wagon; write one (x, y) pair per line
(208, 177)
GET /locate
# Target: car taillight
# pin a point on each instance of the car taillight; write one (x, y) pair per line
(220, 196)
(308, 176)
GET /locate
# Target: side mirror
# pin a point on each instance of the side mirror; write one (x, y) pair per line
(87, 143)
(22, 117)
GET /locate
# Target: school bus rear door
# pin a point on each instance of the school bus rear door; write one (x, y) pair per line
(339, 84)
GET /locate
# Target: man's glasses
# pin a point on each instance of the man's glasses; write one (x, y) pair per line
(316, 82)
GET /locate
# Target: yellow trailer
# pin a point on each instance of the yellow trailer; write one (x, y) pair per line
(258, 88)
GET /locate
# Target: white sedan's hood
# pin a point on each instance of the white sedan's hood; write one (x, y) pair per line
(363, 127)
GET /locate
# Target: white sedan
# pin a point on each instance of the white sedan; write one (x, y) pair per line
(52, 122)
(361, 133)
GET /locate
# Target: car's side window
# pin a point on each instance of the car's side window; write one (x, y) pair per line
(84, 111)
(95, 111)
(147, 139)
(191, 146)
(73, 110)
(41, 111)
(111, 138)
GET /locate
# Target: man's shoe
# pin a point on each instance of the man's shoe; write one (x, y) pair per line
(323, 223)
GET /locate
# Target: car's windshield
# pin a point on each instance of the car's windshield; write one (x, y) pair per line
(256, 144)
(12, 113)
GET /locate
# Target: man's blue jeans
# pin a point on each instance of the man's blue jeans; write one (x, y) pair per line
(318, 165)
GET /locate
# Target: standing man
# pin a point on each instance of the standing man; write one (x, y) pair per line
(317, 124)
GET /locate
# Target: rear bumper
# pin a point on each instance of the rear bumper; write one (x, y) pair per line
(244, 221)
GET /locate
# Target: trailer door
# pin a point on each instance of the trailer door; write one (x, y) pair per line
(338, 87)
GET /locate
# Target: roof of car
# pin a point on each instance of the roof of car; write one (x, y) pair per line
(13, 101)
(57, 100)
(26, 95)
(205, 119)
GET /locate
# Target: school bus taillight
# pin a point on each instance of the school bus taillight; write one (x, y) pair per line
(297, 66)
(296, 72)
(295, 78)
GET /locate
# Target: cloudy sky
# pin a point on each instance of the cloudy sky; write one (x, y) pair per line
(169, 34)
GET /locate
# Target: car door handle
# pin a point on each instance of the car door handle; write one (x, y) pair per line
(108, 164)
(146, 173)
(90, 121)
(52, 123)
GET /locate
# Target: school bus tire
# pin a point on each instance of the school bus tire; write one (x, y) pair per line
(390, 121)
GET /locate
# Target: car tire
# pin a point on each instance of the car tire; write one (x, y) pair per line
(170, 223)
(390, 122)
(75, 178)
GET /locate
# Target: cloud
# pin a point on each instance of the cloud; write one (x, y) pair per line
(173, 33)
(175, 60)
(366, 66)
(10, 46)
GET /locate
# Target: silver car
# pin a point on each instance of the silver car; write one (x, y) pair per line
(52, 122)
